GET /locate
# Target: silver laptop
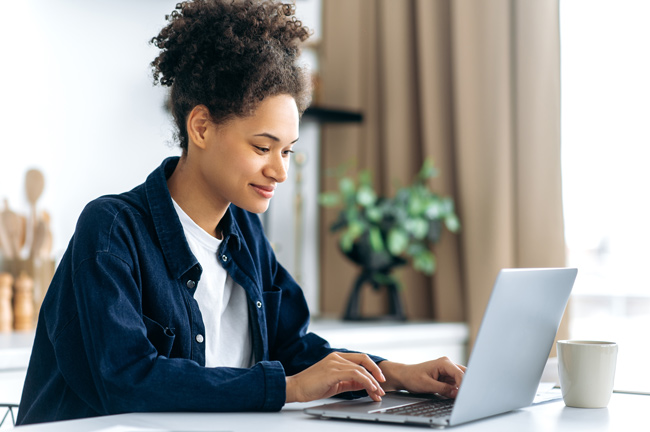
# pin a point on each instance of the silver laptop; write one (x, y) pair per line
(505, 366)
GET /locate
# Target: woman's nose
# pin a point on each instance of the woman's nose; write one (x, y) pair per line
(277, 168)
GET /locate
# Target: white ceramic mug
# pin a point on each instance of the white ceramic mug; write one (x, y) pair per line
(586, 371)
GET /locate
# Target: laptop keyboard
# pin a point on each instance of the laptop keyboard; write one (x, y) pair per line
(428, 408)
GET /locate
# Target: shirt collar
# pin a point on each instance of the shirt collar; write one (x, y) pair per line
(177, 253)
(230, 229)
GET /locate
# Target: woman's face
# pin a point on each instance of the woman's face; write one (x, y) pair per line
(246, 158)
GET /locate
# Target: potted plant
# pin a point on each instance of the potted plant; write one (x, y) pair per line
(380, 233)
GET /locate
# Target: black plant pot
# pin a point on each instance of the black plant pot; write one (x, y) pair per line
(376, 268)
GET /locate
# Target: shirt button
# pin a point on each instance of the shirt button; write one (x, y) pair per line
(224, 258)
(259, 304)
(199, 338)
(190, 284)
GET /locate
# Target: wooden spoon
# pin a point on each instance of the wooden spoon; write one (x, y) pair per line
(42, 244)
(35, 252)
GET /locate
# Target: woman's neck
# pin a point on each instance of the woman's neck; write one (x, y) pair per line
(190, 194)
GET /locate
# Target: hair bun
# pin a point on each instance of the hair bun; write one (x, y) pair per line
(229, 55)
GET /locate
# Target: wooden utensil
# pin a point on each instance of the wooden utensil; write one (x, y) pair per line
(34, 185)
(46, 249)
(13, 225)
(35, 251)
(5, 244)
(42, 243)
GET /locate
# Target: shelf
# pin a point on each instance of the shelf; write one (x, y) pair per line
(331, 115)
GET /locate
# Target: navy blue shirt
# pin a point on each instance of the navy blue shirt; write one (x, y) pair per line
(119, 329)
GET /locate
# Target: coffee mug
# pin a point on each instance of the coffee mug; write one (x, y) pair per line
(586, 370)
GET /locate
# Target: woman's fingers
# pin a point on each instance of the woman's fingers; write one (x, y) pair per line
(436, 376)
(447, 389)
(366, 362)
(360, 369)
(448, 371)
(353, 381)
(336, 373)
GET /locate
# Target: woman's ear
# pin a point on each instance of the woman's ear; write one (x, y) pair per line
(197, 124)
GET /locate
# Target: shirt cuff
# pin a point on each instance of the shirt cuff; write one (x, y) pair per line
(275, 383)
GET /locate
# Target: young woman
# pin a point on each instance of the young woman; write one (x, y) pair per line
(169, 297)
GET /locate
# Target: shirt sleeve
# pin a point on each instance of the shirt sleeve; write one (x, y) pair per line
(117, 369)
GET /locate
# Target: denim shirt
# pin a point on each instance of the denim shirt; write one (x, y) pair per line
(119, 329)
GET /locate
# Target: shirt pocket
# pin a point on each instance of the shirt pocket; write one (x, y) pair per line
(272, 300)
(161, 337)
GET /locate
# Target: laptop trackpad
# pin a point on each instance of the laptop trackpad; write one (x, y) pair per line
(367, 405)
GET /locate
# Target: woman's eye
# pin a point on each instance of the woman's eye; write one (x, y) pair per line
(288, 152)
(262, 149)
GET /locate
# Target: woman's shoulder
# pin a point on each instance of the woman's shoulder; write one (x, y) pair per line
(112, 215)
(108, 207)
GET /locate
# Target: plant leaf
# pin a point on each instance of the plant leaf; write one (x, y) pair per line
(417, 227)
(366, 196)
(447, 205)
(376, 241)
(415, 249)
(329, 199)
(434, 208)
(398, 240)
(425, 262)
(416, 205)
(346, 185)
(374, 214)
(452, 223)
(355, 229)
(428, 169)
(346, 241)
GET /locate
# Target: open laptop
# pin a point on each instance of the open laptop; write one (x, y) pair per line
(505, 366)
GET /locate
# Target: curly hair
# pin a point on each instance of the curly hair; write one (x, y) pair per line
(229, 55)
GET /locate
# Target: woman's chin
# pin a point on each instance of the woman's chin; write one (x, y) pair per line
(257, 208)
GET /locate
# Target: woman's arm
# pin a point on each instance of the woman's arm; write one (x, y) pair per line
(127, 373)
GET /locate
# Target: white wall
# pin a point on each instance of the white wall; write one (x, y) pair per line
(78, 102)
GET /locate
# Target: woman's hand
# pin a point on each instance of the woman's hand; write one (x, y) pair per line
(440, 376)
(338, 372)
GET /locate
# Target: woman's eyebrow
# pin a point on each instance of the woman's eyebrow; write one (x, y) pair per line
(274, 138)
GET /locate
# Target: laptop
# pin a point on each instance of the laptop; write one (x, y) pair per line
(505, 366)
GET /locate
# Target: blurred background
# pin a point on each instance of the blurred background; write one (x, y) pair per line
(534, 113)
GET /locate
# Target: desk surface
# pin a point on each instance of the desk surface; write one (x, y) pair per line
(625, 413)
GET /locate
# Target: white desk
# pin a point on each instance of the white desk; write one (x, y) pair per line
(625, 413)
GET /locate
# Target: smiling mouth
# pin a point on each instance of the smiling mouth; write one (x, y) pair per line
(265, 191)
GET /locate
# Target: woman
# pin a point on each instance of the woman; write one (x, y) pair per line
(169, 297)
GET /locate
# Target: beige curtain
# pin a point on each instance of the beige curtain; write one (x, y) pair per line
(475, 84)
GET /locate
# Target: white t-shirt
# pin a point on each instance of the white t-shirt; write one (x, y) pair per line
(222, 302)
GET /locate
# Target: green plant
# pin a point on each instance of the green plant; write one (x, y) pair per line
(393, 229)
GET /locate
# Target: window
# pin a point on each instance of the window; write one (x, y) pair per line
(606, 153)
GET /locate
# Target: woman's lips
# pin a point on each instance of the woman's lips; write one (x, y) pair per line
(264, 191)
